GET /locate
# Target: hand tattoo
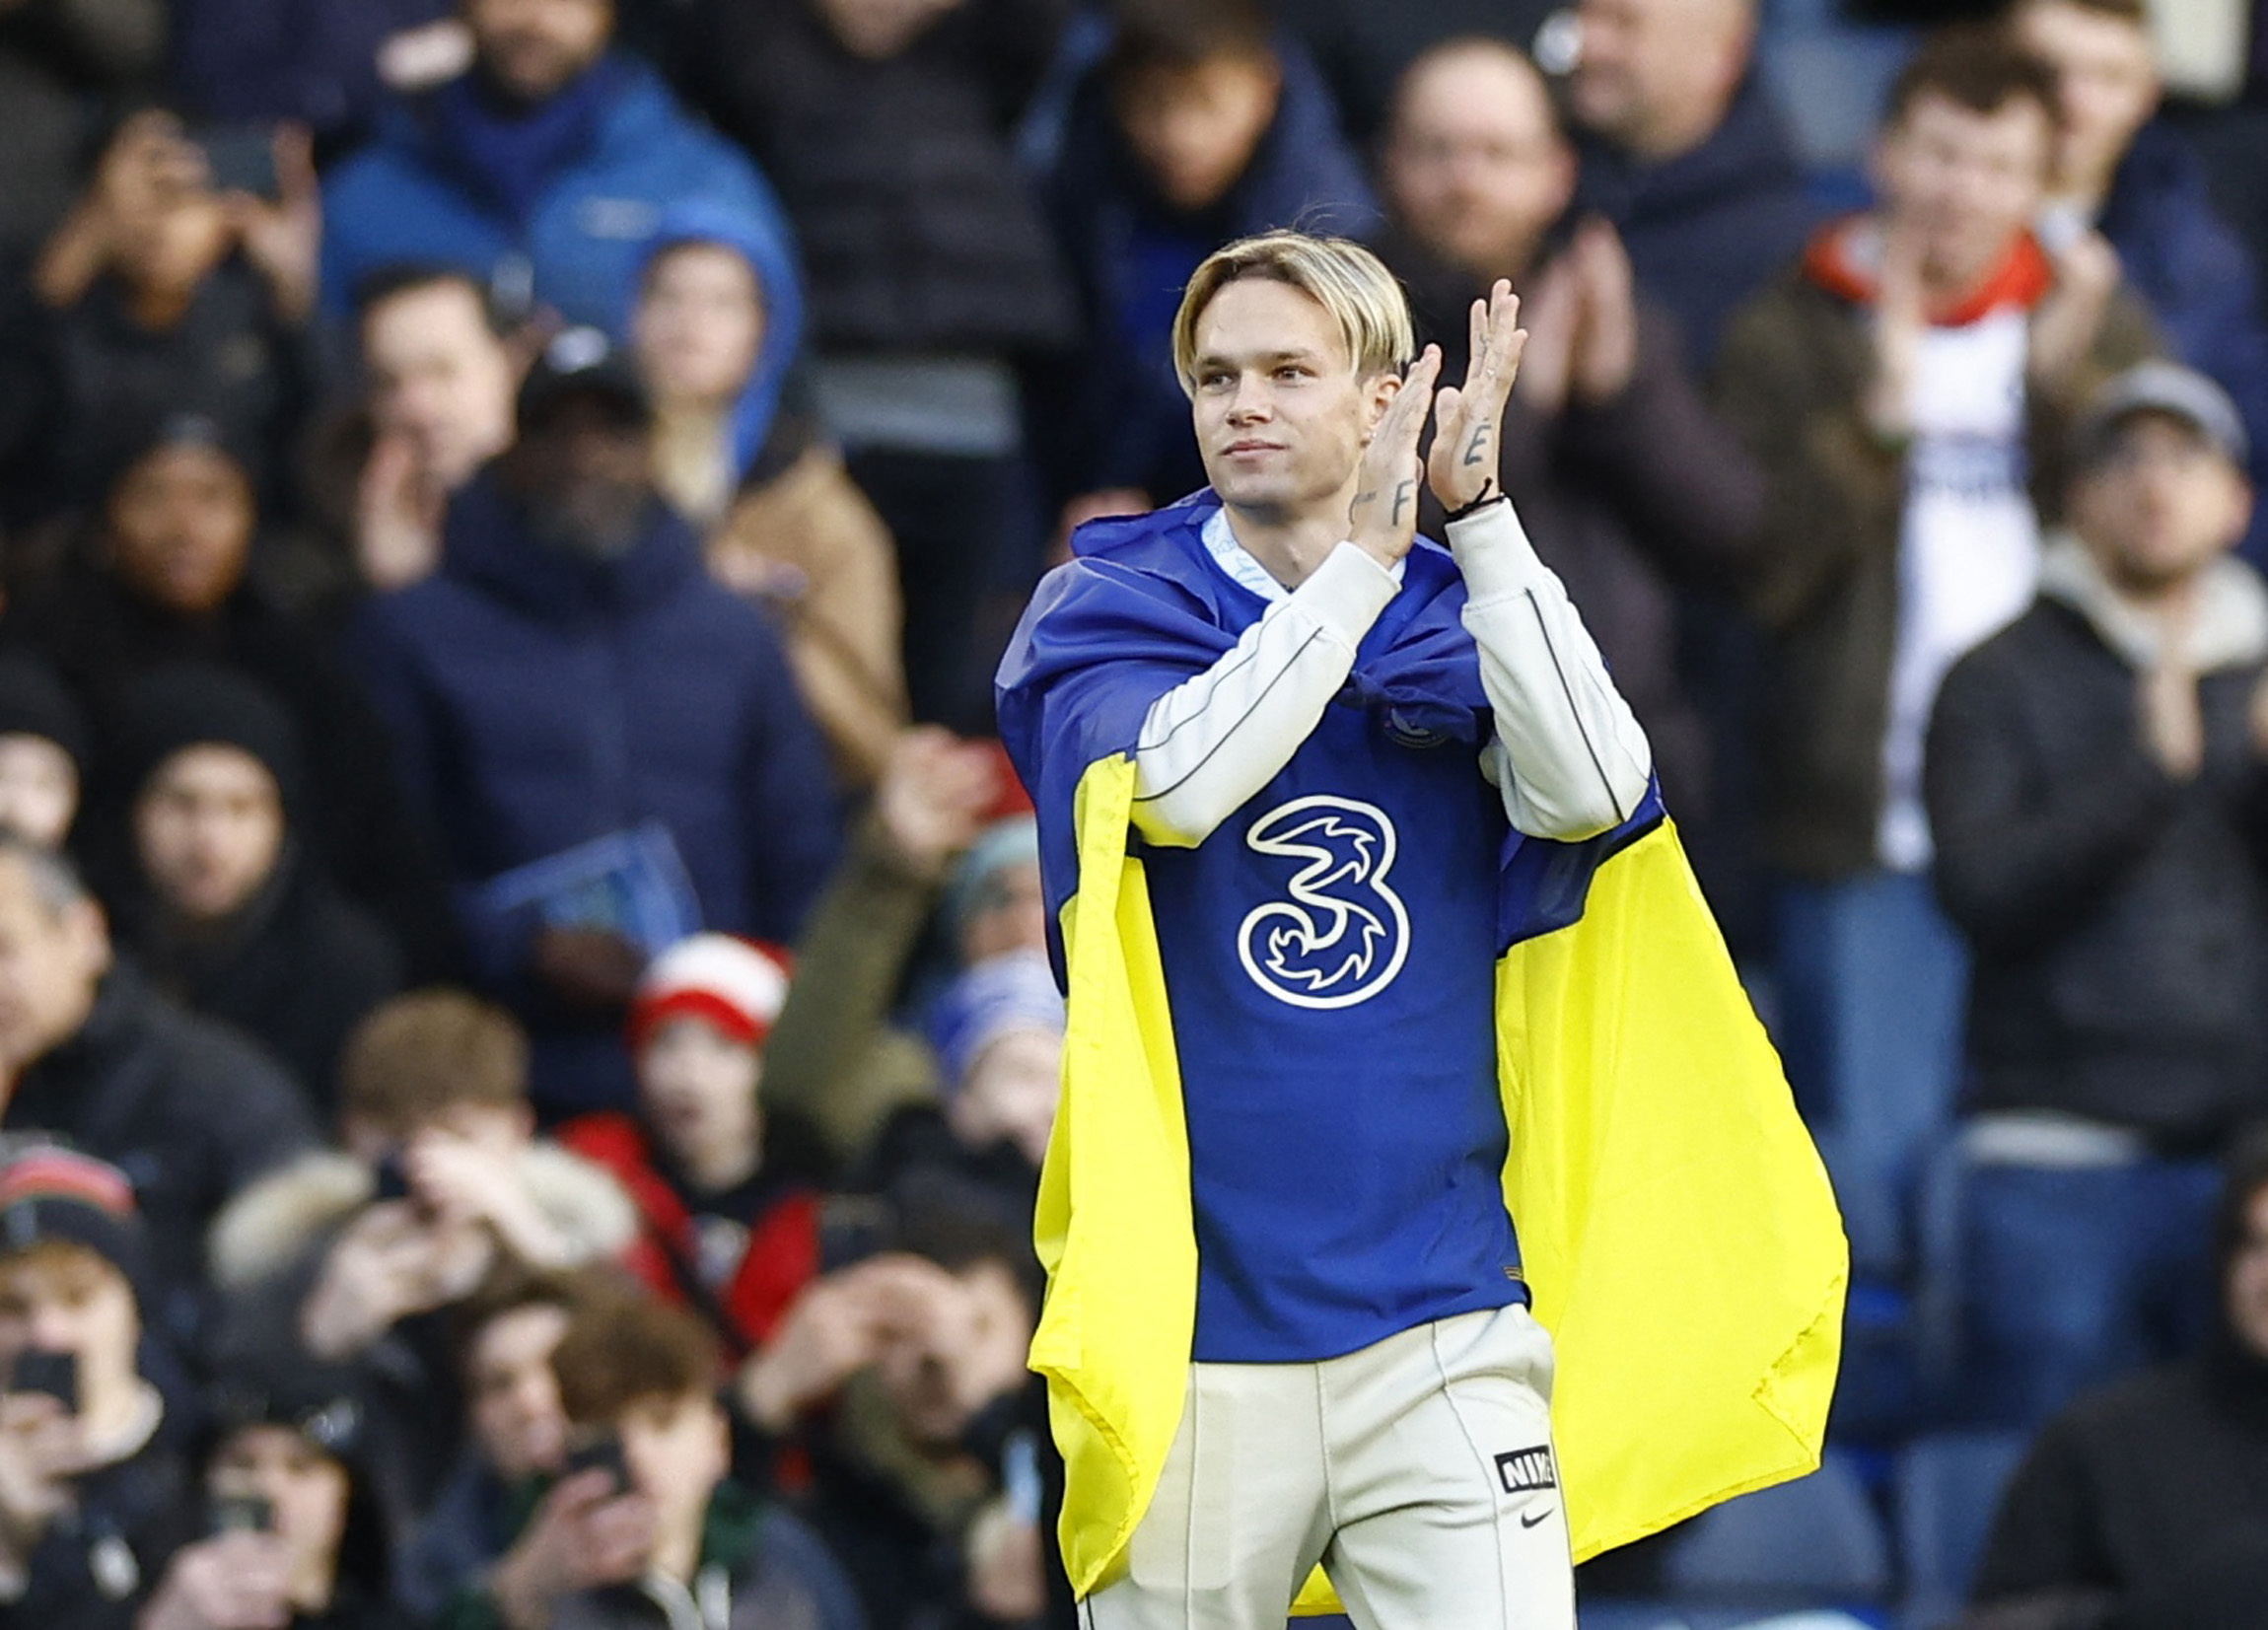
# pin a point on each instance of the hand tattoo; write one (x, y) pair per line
(1476, 449)
(1402, 493)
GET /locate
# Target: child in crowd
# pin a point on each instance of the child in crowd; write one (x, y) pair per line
(723, 1228)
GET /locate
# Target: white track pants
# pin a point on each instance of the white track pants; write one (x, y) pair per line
(1419, 1471)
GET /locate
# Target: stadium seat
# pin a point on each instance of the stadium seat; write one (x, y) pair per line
(1813, 1542)
(1947, 1488)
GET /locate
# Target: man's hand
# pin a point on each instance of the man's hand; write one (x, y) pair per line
(584, 1533)
(464, 1185)
(41, 1448)
(1468, 419)
(2173, 723)
(2065, 326)
(389, 1263)
(1607, 347)
(834, 1329)
(1901, 322)
(1382, 520)
(283, 239)
(233, 1582)
(397, 514)
(1007, 1568)
(933, 797)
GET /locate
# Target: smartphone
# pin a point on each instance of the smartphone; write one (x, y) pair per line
(240, 1514)
(242, 158)
(54, 1373)
(391, 1179)
(604, 1454)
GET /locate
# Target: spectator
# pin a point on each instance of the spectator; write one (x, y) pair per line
(2096, 778)
(44, 752)
(167, 575)
(641, 1548)
(786, 527)
(296, 1538)
(160, 295)
(933, 274)
(726, 1228)
(993, 901)
(685, 755)
(2122, 170)
(920, 1351)
(56, 56)
(355, 1256)
(1895, 384)
(539, 171)
(92, 1476)
(1199, 125)
(1618, 464)
(517, 1437)
(90, 1055)
(1684, 154)
(226, 912)
(441, 378)
(2139, 1502)
(324, 64)
(1365, 51)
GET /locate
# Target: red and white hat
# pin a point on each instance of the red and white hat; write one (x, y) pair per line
(734, 984)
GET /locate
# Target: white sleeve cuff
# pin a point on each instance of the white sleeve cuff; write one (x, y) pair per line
(1493, 552)
(1347, 593)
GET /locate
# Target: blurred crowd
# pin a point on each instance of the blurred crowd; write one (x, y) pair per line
(527, 1024)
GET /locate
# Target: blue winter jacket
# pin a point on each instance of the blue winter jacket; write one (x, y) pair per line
(2199, 279)
(410, 197)
(538, 700)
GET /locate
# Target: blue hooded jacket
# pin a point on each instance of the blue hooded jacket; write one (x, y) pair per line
(703, 221)
(413, 196)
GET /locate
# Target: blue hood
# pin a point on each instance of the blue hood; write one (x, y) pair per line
(770, 259)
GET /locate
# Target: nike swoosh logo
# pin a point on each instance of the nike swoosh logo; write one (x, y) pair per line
(1532, 1522)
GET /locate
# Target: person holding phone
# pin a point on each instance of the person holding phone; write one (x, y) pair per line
(92, 1485)
(293, 1535)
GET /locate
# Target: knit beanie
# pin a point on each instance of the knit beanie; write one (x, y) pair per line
(734, 984)
(1014, 991)
(48, 1193)
(34, 701)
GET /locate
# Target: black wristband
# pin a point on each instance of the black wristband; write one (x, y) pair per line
(1488, 495)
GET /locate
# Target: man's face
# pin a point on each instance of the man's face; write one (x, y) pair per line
(61, 1298)
(1964, 183)
(585, 475)
(1009, 914)
(51, 960)
(532, 48)
(1195, 129)
(677, 1448)
(700, 323)
(2247, 1285)
(209, 829)
(968, 1350)
(1281, 417)
(1474, 166)
(440, 377)
(1653, 68)
(307, 1489)
(2160, 504)
(39, 789)
(697, 1089)
(516, 1419)
(1011, 1094)
(2106, 79)
(181, 528)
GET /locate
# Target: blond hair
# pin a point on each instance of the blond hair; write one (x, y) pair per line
(1338, 274)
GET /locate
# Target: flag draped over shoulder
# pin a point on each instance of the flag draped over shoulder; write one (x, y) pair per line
(1675, 1224)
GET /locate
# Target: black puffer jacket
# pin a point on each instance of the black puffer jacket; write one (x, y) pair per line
(918, 233)
(2119, 918)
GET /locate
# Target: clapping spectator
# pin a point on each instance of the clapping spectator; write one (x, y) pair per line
(2124, 171)
(88, 1053)
(94, 1485)
(539, 171)
(717, 333)
(160, 295)
(2096, 779)
(1199, 125)
(656, 1526)
(686, 755)
(45, 751)
(1908, 388)
(221, 902)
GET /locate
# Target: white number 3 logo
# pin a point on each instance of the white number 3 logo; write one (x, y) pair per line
(1343, 934)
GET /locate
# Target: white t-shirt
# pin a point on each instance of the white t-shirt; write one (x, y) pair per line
(1968, 545)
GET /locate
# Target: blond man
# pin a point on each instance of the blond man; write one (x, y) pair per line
(1359, 760)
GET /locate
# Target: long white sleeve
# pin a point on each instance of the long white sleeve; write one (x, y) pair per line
(1569, 756)
(1215, 740)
